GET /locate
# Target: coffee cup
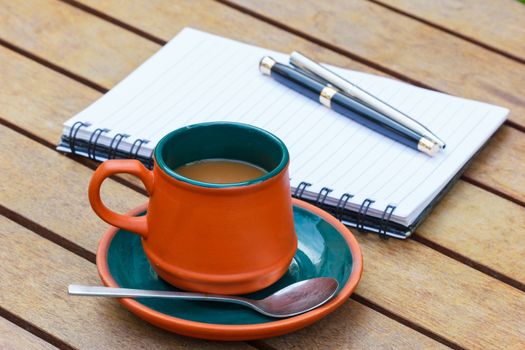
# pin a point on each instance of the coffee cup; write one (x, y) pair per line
(226, 238)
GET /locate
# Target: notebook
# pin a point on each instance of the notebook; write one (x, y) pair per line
(368, 181)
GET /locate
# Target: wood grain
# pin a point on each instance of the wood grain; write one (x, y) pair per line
(486, 229)
(464, 305)
(14, 338)
(105, 53)
(55, 188)
(405, 277)
(54, 98)
(40, 28)
(77, 320)
(339, 331)
(498, 24)
(405, 46)
(501, 164)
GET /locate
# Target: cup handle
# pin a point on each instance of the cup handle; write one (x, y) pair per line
(110, 167)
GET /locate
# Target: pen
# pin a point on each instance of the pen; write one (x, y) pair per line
(304, 63)
(343, 104)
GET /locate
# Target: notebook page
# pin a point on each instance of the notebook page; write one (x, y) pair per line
(200, 77)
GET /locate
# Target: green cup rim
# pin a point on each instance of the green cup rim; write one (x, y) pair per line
(165, 168)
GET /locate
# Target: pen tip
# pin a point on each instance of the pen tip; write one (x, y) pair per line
(437, 140)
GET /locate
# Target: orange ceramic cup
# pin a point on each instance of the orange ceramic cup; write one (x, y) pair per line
(217, 238)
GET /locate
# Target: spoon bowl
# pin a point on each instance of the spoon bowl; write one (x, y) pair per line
(295, 299)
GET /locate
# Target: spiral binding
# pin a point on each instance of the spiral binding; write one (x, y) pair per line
(339, 209)
(341, 205)
(73, 134)
(134, 153)
(321, 196)
(115, 143)
(299, 190)
(97, 151)
(385, 220)
(92, 143)
(363, 209)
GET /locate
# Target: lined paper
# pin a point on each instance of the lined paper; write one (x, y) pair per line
(200, 77)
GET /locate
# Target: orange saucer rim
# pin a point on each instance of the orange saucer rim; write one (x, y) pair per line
(212, 331)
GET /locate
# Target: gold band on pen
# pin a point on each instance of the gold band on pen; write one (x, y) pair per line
(326, 96)
(427, 146)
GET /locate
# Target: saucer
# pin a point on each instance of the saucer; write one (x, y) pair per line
(326, 248)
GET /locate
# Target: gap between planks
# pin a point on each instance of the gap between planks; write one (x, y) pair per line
(450, 31)
(115, 21)
(91, 257)
(53, 66)
(36, 331)
(408, 323)
(469, 262)
(84, 161)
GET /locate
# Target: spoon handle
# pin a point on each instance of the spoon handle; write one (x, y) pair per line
(76, 289)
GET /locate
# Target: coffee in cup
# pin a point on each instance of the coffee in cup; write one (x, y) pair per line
(220, 171)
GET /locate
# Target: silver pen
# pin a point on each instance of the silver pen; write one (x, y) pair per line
(304, 63)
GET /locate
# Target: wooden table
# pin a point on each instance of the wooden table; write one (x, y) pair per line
(459, 282)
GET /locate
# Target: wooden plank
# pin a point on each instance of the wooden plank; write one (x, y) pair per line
(13, 337)
(54, 98)
(431, 56)
(502, 163)
(405, 277)
(35, 288)
(340, 331)
(481, 227)
(498, 24)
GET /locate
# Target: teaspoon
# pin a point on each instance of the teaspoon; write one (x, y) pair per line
(292, 300)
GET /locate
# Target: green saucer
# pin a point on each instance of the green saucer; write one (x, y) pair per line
(322, 252)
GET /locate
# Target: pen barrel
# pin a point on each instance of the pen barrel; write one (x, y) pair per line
(374, 120)
(297, 81)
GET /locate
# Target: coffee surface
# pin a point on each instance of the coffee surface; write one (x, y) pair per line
(220, 171)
